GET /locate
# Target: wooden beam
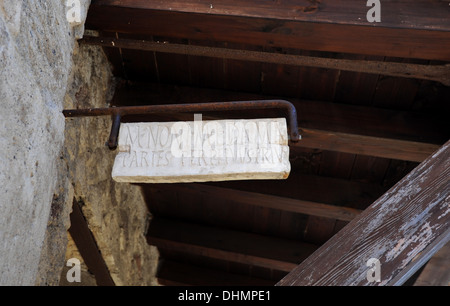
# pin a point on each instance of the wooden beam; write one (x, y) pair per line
(309, 188)
(401, 37)
(365, 145)
(172, 273)
(418, 14)
(345, 142)
(387, 134)
(319, 115)
(234, 246)
(85, 242)
(265, 200)
(402, 229)
(439, 73)
(351, 143)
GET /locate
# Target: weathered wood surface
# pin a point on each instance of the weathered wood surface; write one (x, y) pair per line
(399, 38)
(358, 144)
(384, 147)
(417, 14)
(233, 246)
(402, 229)
(225, 208)
(437, 270)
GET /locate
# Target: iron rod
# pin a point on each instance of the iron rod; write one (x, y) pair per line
(118, 112)
(114, 136)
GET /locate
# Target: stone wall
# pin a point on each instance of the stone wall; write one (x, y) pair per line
(40, 172)
(116, 212)
(36, 44)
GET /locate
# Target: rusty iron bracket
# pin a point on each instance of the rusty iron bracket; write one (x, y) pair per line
(118, 112)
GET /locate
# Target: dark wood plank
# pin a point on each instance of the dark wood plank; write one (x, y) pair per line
(115, 57)
(418, 14)
(140, 65)
(357, 88)
(397, 93)
(194, 259)
(292, 226)
(370, 169)
(397, 169)
(266, 221)
(206, 71)
(219, 205)
(234, 246)
(135, 64)
(428, 126)
(172, 273)
(339, 225)
(328, 36)
(349, 143)
(312, 188)
(170, 201)
(173, 68)
(367, 68)
(366, 145)
(402, 229)
(242, 75)
(317, 83)
(262, 200)
(280, 78)
(336, 164)
(341, 142)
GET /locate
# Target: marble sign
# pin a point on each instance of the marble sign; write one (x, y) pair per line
(200, 151)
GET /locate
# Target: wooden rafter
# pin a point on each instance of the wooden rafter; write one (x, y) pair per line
(366, 145)
(316, 115)
(86, 244)
(419, 14)
(171, 273)
(335, 26)
(327, 126)
(402, 229)
(234, 246)
(440, 73)
(269, 201)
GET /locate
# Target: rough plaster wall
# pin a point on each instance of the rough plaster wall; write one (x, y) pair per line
(36, 44)
(36, 47)
(116, 212)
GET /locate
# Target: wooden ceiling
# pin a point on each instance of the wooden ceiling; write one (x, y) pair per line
(361, 132)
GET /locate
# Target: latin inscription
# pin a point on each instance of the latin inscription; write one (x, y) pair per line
(202, 151)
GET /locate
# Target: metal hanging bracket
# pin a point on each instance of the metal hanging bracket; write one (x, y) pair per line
(118, 112)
